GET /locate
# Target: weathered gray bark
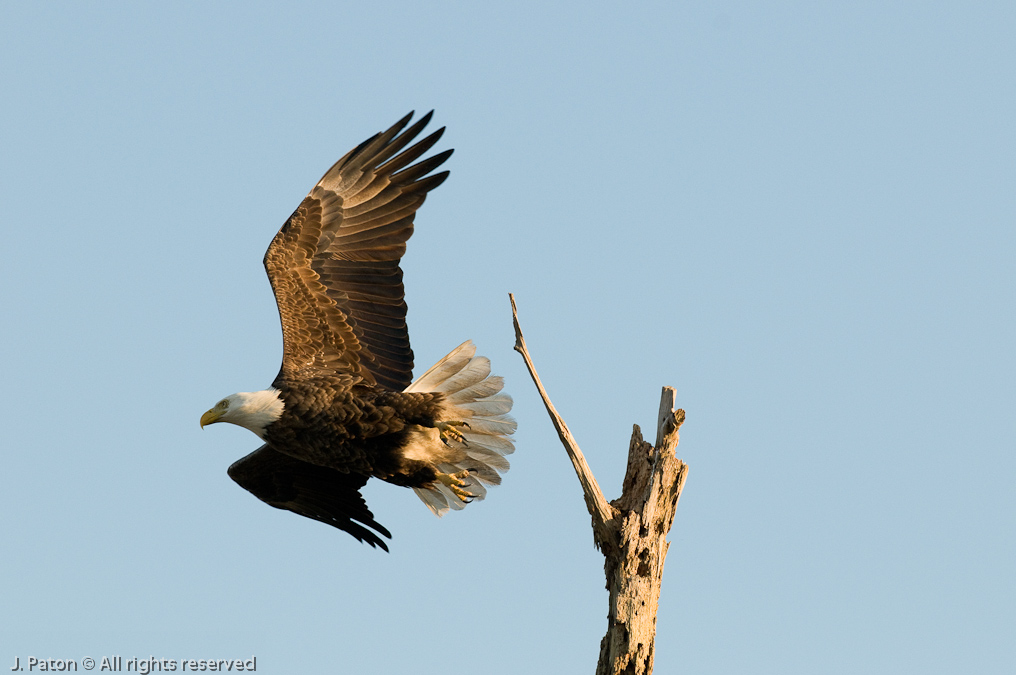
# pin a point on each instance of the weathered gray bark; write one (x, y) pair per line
(630, 531)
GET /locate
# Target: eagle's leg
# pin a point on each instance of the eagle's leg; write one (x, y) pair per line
(449, 432)
(456, 482)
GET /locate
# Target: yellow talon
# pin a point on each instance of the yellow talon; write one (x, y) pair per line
(449, 432)
(457, 481)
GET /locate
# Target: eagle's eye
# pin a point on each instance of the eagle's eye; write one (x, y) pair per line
(223, 404)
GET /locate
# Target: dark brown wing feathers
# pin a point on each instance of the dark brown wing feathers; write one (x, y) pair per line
(334, 265)
(317, 492)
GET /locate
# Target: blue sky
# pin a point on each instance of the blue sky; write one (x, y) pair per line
(800, 215)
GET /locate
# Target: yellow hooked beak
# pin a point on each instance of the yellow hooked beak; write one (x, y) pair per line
(212, 416)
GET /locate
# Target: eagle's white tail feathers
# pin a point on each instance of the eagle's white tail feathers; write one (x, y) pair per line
(472, 395)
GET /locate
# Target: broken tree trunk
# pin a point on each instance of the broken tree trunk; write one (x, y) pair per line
(630, 531)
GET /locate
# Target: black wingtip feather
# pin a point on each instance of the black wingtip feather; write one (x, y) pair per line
(410, 174)
(397, 143)
(430, 182)
(410, 155)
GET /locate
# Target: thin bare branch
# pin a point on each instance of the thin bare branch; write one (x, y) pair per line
(599, 508)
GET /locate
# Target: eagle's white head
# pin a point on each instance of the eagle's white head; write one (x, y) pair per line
(251, 410)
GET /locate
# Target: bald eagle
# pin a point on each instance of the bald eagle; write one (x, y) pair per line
(343, 408)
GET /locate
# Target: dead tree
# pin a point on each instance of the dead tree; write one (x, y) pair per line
(630, 531)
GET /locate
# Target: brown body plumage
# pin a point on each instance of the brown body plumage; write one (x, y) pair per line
(356, 429)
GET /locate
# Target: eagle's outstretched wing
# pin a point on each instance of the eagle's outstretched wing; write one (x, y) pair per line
(313, 491)
(334, 265)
